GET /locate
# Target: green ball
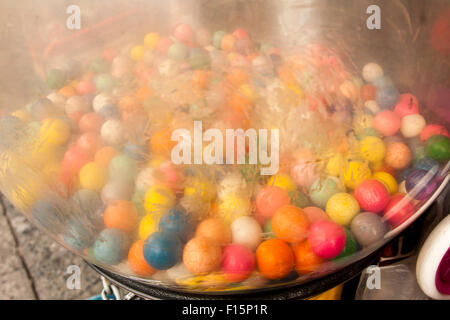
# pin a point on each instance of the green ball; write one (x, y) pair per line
(323, 189)
(105, 82)
(178, 51)
(438, 148)
(217, 38)
(268, 231)
(123, 169)
(55, 78)
(99, 66)
(199, 59)
(299, 199)
(350, 245)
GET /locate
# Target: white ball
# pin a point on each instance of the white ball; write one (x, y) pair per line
(58, 99)
(145, 179)
(114, 191)
(113, 132)
(101, 100)
(412, 125)
(372, 106)
(247, 231)
(372, 71)
(77, 104)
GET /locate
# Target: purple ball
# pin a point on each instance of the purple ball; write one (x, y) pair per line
(425, 184)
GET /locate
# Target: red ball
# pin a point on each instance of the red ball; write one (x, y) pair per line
(326, 238)
(368, 92)
(183, 32)
(407, 104)
(433, 130)
(163, 45)
(387, 123)
(89, 142)
(74, 159)
(90, 122)
(372, 195)
(399, 209)
(241, 34)
(238, 262)
(85, 87)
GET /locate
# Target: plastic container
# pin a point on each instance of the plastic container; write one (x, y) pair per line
(100, 102)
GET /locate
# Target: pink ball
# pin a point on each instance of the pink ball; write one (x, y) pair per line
(304, 173)
(326, 238)
(407, 104)
(90, 122)
(398, 210)
(238, 262)
(387, 123)
(433, 130)
(183, 32)
(372, 195)
(315, 214)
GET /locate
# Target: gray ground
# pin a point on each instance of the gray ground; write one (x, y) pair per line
(33, 266)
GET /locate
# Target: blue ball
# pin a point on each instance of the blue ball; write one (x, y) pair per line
(177, 222)
(109, 111)
(387, 97)
(79, 235)
(111, 246)
(427, 164)
(162, 250)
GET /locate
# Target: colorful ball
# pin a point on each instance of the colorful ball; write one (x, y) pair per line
(433, 130)
(89, 142)
(399, 209)
(290, 223)
(372, 195)
(388, 180)
(306, 261)
(75, 104)
(158, 199)
(55, 78)
(177, 222)
(184, 33)
(121, 215)
(148, 225)
(104, 155)
(269, 199)
(355, 172)
(387, 123)
(326, 238)
(275, 259)
(216, 230)
(113, 132)
(350, 245)
(93, 176)
(283, 181)
(315, 214)
(372, 71)
(111, 246)
(123, 168)
(407, 105)
(137, 262)
(323, 188)
(202, 255)
(412, 125)
(368, 228)
(342, 207)
(246, 231)
(372, 149)
(54, 132)
(398, 155)
(238, 262)
(90, 122)
(178, 51)
(162, 250)
(438, 147)
(151, 40)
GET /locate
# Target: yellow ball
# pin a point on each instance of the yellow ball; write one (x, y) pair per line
(362, 121)
(137, 53)
(93, 176)
(151, 40)
(372, 149)
(200, 187)
(158, 199)
(356, 172)
(335, 165)
(149, 224)
(54, 132)
(283, 181)
(232, 207)
(342, 207)
(388, 180)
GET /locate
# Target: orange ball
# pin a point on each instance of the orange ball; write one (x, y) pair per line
(275, 259)
(290, 223)
(137, 262)
(306, 261)
(161, 143)
(398, 156)
(105, 155)
(228, 42)
(68, 91)
(121, 215)
(237, 77)
(215, 229)
(202, 255)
